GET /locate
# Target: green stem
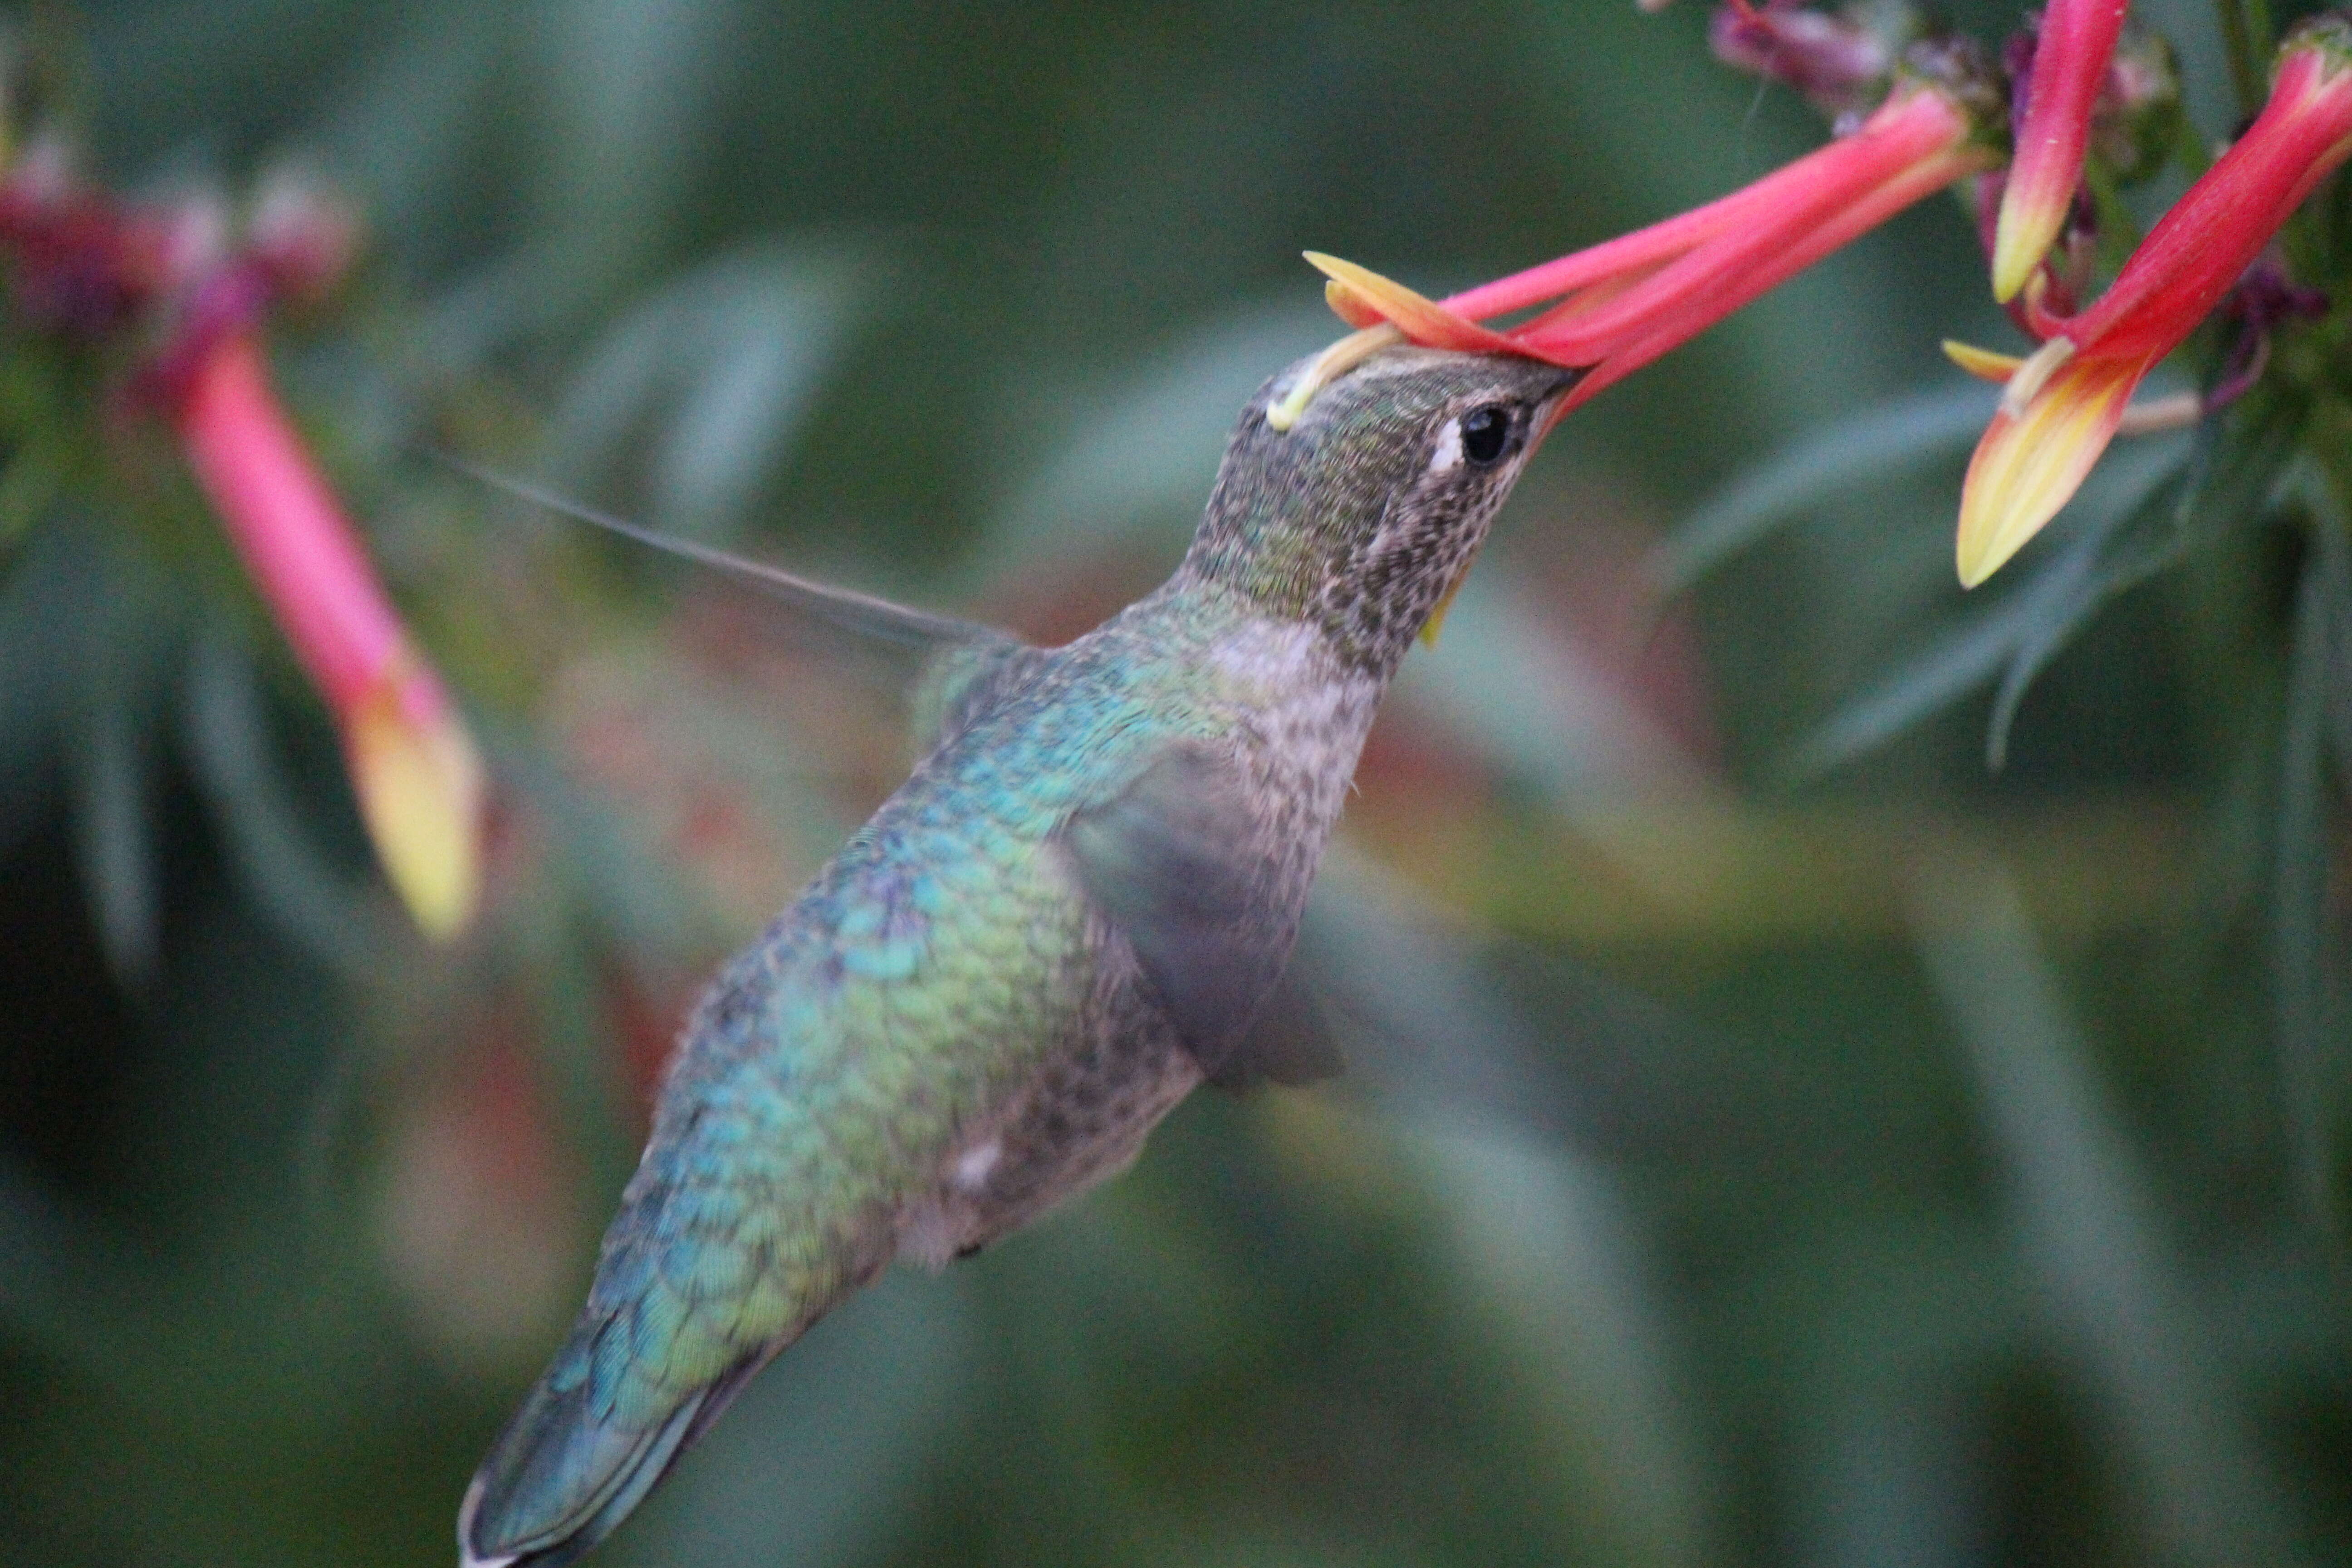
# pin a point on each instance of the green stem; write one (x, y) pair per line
(2119, 232)
(2251, 39)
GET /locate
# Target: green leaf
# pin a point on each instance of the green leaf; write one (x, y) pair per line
(262, 831)
(112, 784)
(1929, 682)
(2306, 940)
(2084, 1216)
(712, 373)
(2043, 608)
(2232, 470)
(110, 753)
(2231, 473)
(1893, 436)
(43, 597)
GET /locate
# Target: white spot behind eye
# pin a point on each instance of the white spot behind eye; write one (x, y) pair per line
(1449, 447)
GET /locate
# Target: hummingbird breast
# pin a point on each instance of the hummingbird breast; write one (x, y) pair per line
(1082, 1117)
(1292, 722)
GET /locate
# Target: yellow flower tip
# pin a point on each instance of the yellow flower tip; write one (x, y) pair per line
(420, 791)
(1385, 312)
(2022, 237)
(1360, 296)
(2030, 464)
(1982, 364)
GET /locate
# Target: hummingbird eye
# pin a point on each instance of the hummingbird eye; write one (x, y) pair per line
(1486, 434)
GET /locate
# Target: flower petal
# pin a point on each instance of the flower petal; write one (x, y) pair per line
(1712, 283)
(1419, 317)
(1913, 124)
(2205, 241)
(1349, 306)
(2028, 467)
(285, 520)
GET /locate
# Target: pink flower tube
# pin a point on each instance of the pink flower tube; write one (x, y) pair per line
(1616, 306)
(2070, 67)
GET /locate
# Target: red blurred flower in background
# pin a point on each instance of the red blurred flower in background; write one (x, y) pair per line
(86, 264)
(412, 763)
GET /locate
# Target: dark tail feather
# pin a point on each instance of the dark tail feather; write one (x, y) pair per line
(560, 1477)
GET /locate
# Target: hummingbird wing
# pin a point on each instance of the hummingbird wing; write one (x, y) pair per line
(867, 614)
(961, 662)
(1294, 1040)
(1170, 861)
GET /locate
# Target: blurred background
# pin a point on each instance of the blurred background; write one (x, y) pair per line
(1774, 1134)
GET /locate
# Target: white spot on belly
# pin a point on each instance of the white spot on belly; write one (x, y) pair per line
(972, 1166)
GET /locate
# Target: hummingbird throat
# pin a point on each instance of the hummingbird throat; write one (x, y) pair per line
(1436, 622)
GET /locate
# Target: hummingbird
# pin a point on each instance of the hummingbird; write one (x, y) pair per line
(1072, 914)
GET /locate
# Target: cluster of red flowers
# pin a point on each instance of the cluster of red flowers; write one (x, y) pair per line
(86, 264)
(1945, 116)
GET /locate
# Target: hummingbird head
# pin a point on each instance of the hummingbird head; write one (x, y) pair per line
(1361, 518)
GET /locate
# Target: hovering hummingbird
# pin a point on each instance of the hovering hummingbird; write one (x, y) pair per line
(1069, 916)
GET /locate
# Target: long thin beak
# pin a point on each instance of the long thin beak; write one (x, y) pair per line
(1554, 407)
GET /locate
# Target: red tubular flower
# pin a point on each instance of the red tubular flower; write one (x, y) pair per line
(2065, 402)
(2070, 67)
(412, 763)
(1616, 306)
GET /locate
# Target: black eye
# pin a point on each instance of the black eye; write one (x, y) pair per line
(1486, 434)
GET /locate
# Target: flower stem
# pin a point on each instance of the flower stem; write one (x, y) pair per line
(2250, 39)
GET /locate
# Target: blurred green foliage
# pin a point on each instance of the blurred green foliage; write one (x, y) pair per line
(1776, 1137)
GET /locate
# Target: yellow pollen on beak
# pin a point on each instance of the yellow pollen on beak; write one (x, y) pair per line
(1327, 367)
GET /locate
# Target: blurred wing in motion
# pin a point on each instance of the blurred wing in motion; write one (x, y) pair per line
(1170, 861)
(865, 614)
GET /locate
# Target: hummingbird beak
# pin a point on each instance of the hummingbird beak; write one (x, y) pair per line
(1555, 405)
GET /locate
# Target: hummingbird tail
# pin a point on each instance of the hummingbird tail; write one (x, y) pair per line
(561, 1476)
